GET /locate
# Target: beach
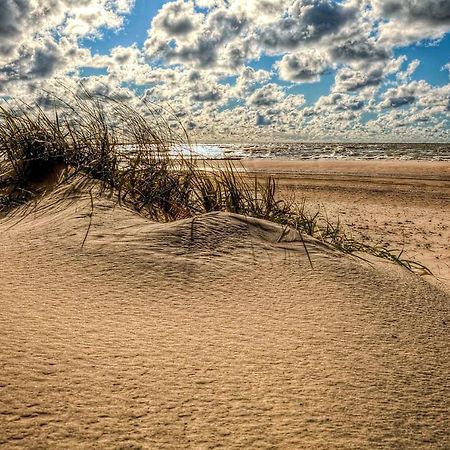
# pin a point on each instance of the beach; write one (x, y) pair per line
(226, 331)
(225, 224)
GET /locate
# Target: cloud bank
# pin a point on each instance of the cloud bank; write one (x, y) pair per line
(236, 69)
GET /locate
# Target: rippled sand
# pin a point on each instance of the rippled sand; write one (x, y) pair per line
(209, 333)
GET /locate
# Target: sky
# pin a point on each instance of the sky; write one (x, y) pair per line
(243, 70)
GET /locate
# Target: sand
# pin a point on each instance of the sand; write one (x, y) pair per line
(210, 333)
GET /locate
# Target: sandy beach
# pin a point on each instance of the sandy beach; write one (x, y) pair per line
(217, 332)
(225, 224)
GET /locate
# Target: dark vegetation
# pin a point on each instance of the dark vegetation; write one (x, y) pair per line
(132, 153)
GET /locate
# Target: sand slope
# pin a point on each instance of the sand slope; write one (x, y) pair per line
(404, 205)
(209, 333)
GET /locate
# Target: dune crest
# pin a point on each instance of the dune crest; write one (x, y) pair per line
(209, 331)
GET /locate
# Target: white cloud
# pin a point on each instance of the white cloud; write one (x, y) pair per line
(176, 19)
(427, 100)
(305, 22)
(446, 67)
(248, 80)
(339, 102)
(269, 95)
(365, 78)
(39, 38)
(304, 66)
(412, 20)
(434, 12)
(231, 34)
(12, 22)
(406, 74)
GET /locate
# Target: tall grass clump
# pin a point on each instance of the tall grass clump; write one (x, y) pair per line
(133, 152)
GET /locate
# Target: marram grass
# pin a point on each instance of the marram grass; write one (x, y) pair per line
(131, 153)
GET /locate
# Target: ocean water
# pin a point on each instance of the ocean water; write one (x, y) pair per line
(299, 151)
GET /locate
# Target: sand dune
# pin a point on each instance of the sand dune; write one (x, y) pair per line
(209, 333)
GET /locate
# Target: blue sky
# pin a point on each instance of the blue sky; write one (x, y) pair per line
(234, 70)
(134, 30)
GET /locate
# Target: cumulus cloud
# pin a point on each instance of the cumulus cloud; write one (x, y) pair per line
(365, 77)
(267, 96)
(248, 80)
(199, 40)
(262, 121)
(339, 102)
(447, 67)
(125, 55)
(303, 67)
(396, 102)
(360, 48)
(88, 19)
(232, 33)
(12, 21)
(176, 19)
(434, 99)
(412, 20)
(206, 92)
(434, 12)
(39, 38)
(209, 4)
(406, 74)
(305, 21)
(349, 80)
(41, 59)
(430, 99)
(45, 60)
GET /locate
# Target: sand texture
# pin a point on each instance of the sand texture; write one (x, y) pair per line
(209, 333)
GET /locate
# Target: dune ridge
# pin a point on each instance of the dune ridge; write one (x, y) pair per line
(208, 332)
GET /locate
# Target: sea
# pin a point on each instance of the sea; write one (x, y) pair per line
(305, 151)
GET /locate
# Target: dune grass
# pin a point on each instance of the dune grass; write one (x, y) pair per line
(134, 154)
